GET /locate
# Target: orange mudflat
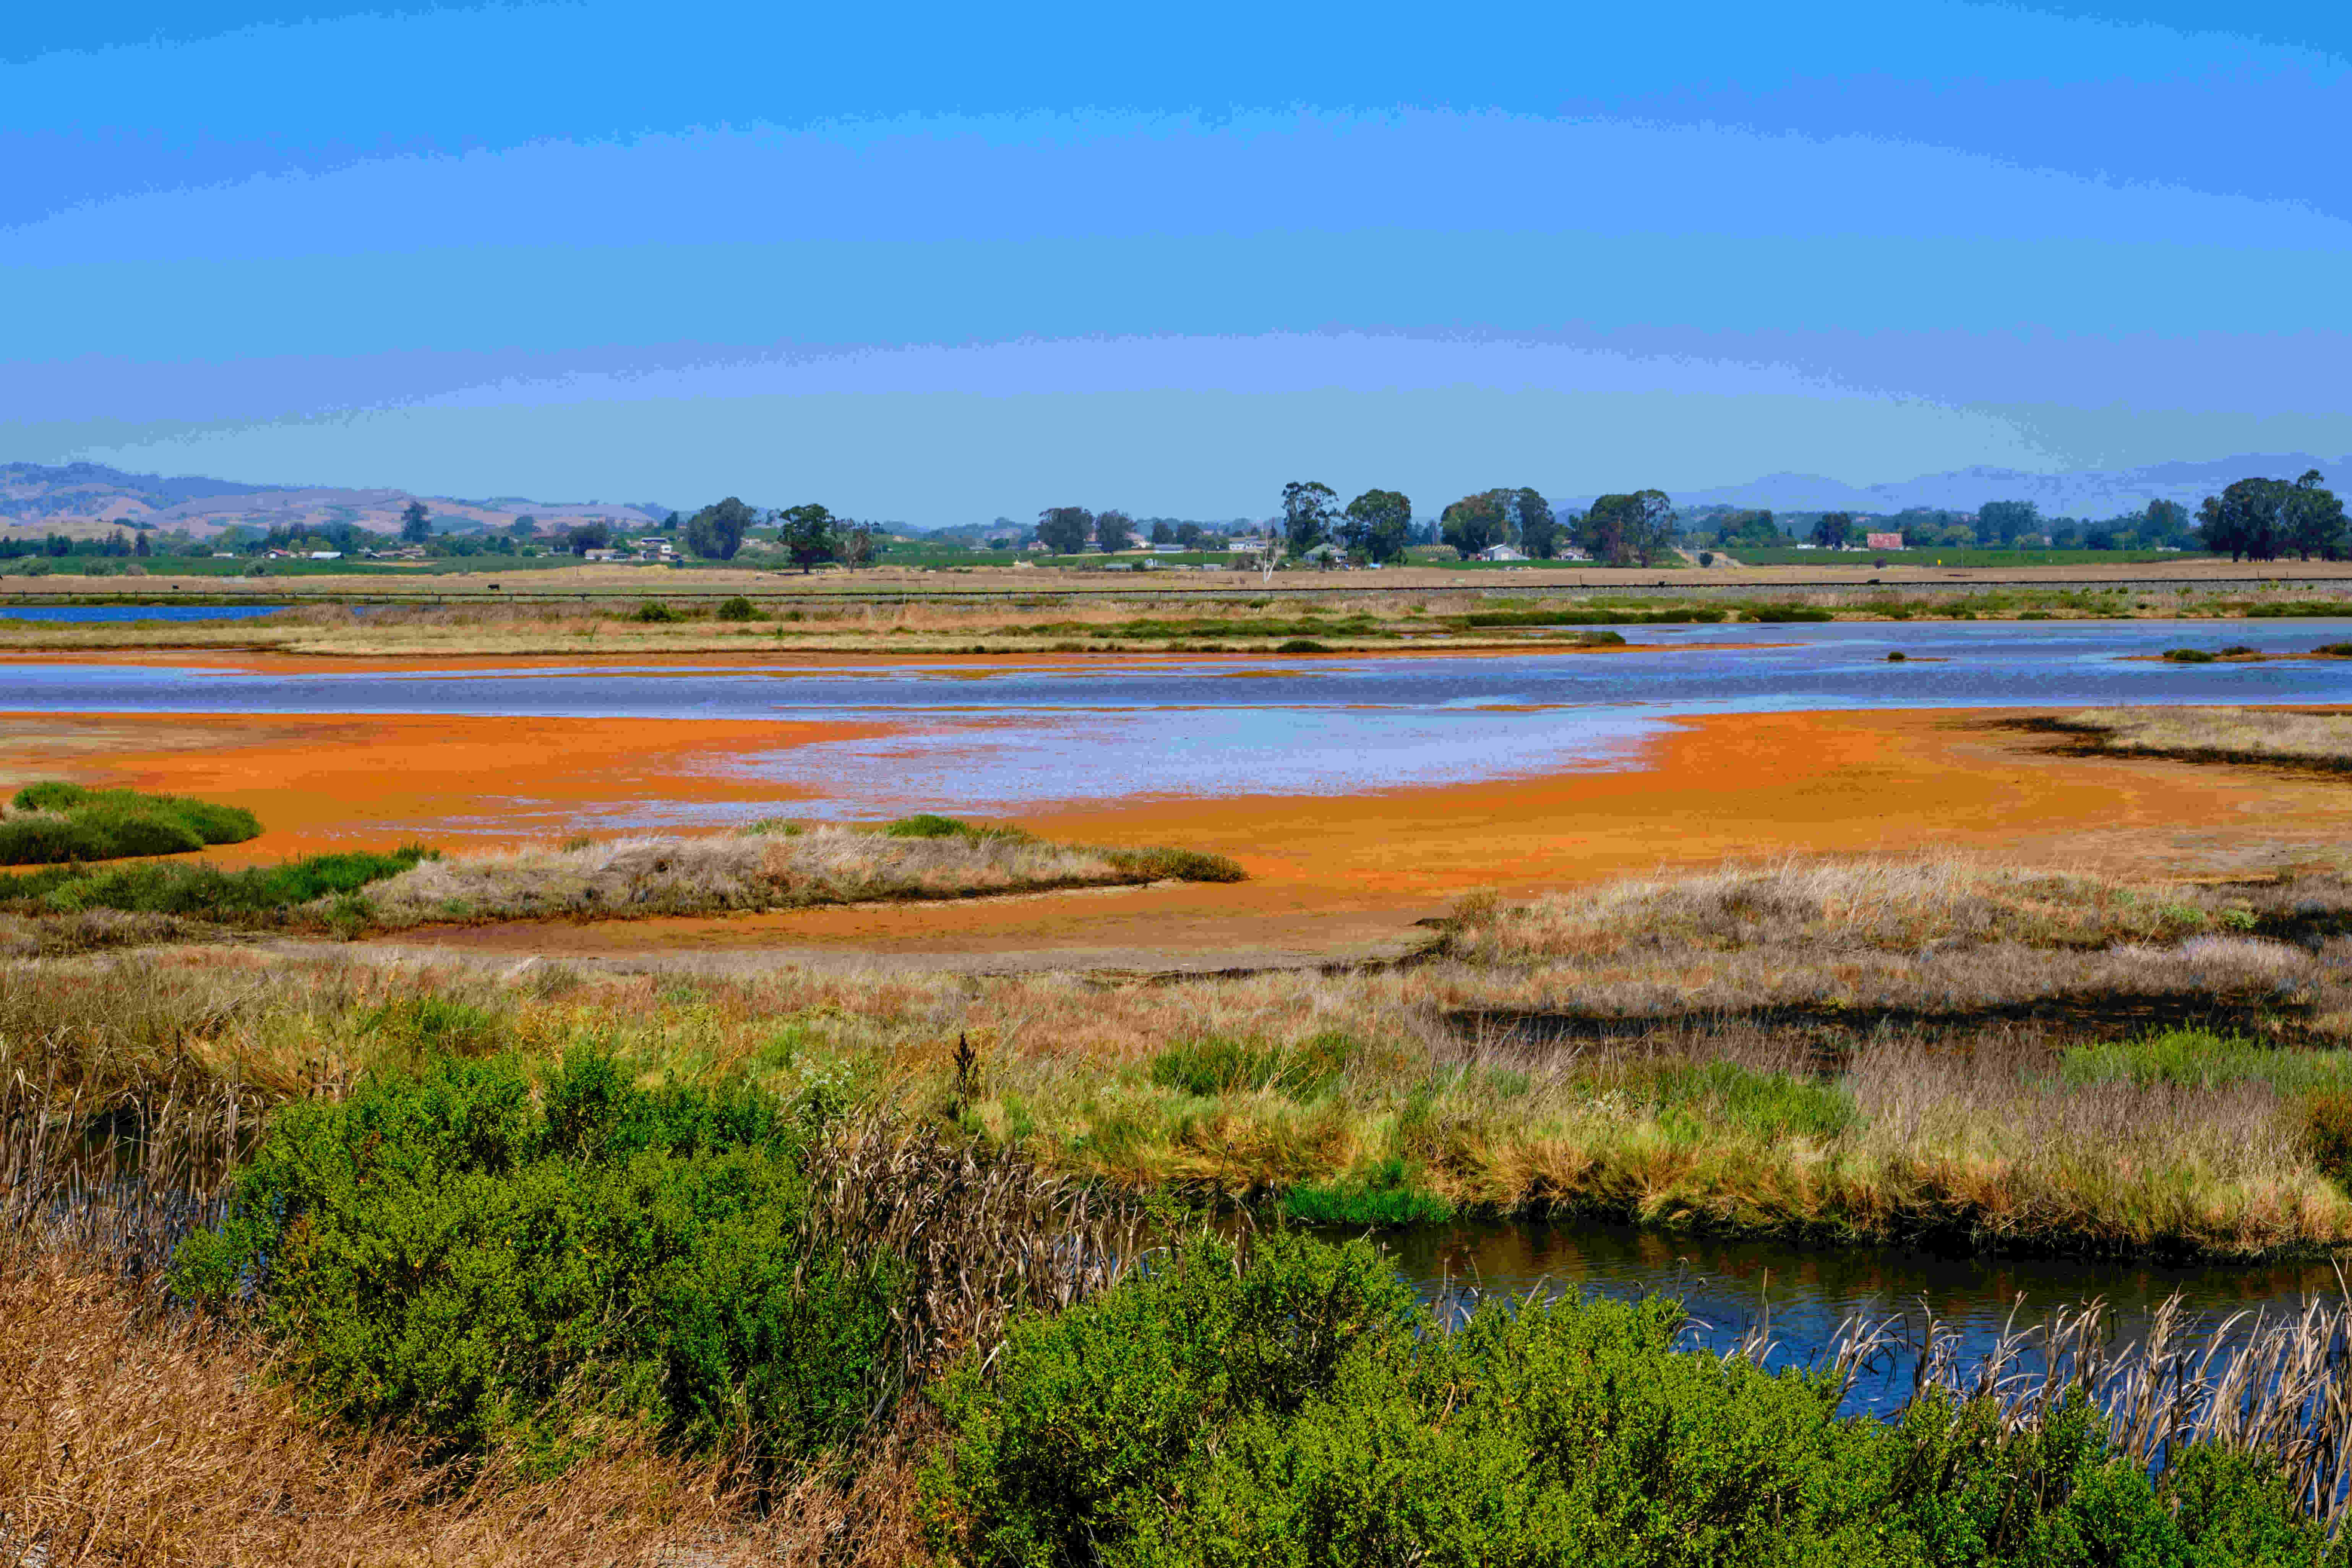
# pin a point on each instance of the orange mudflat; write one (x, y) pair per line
(1330, 877)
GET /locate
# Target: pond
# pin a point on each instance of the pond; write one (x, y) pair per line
(1807, 1292)
(988, 737)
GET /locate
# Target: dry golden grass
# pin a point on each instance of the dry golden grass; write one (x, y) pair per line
(128, 1436)
(755, 870)
(2220, 734)
(1523, 1071)
(1805, 906)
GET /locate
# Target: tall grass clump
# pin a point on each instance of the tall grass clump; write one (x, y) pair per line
(2202, 1059)
(50, 823)
(1301, 1405)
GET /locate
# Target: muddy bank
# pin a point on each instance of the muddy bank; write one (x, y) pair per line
(1337, 876)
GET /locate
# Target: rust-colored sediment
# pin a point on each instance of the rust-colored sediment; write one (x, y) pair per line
(1329, 875)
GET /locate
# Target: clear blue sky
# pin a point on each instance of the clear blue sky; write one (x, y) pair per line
(939, 264)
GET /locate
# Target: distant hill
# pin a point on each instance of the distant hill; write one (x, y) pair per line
(2086, 493)
(81, 498)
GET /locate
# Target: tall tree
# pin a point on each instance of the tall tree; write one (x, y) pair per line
(2248, 520)
(1538, 529)
(808, 535)
(1114, 532)
(2001, 522)
(1064, 530)
(1833, 530)
(1474, 523)
(2314, 518)
(523, 527)
(1308, 508)
(2164, 522)
(1623, 530)
(415, 522)
(588, 536)
(716, 533)
(1378, 525)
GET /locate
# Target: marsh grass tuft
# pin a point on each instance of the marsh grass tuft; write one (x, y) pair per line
(49, 823)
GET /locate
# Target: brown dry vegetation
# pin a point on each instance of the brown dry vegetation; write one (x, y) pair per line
(1045, 618)
(2308, 739)
(1864, 1049)
(758, 870)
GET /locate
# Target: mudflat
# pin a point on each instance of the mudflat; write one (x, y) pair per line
(1331, 879)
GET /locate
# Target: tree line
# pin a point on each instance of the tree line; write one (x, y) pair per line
(1377, 526)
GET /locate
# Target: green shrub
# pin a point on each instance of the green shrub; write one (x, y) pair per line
(738, 608)
(2187, 656)
(653, 611)
(66, 822)
(257, 894)
(1600, 639)
(1301, 645)
(2335, 649)
(928, 825)
(446, 1253)
(1303, 1408)
(1773, 614)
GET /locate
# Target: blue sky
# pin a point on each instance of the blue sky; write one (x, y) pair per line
(936, 264)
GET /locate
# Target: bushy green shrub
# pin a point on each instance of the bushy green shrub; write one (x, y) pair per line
(1305, 1409)
(736, 608)
(654, 611)
(1775, 614)
(451, 1254)
(66, 822)
(1301, 645)
(198, 890)
(2187, 656)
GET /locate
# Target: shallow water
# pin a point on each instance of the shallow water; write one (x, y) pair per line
(985, 739)
(1807, 1290)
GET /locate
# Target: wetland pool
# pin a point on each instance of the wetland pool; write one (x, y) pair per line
(987, 737)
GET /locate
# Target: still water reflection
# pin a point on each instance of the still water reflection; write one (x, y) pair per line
(1808, 1291)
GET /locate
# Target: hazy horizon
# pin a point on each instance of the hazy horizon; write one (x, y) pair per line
(927, 269)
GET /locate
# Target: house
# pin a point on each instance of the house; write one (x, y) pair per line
(326, 555)
(655, 548)
(606, 555)
(1881, 542)
(1326, 556)
(1501, 552)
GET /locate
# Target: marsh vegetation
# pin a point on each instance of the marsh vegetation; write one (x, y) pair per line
(837, 1266)
(767, 866)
